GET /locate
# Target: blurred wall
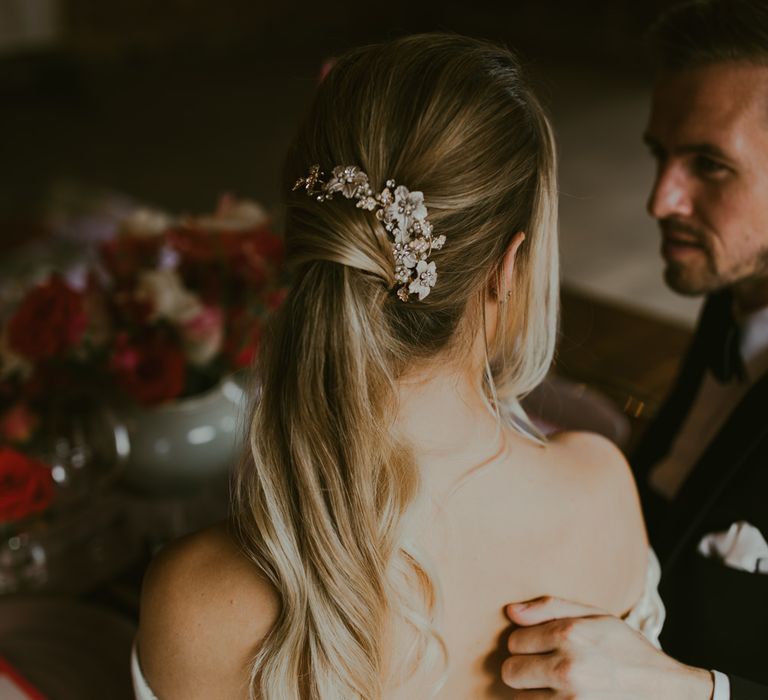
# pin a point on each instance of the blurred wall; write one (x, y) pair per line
(172, 102)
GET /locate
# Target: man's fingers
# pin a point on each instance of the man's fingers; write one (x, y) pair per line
(538, 694)
(538, 610)
(540, 639)
(534, 671)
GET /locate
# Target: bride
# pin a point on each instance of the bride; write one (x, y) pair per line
(395, 497)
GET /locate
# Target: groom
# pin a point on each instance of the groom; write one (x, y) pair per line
(702, 469)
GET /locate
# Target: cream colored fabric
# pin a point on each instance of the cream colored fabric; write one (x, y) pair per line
(141, 688)
(648, 614)
(722, 686)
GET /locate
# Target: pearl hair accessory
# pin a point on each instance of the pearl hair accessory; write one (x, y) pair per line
(404, 217)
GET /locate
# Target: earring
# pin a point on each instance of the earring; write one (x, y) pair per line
(507, 296)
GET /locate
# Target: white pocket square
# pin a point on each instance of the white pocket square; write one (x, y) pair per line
(741, 547)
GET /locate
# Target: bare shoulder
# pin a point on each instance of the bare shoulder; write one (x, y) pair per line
(593, 458)
(605, 514)
(204, 611)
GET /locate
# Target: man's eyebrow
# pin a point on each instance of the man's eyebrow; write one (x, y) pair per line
(703, 148)
(706, 149)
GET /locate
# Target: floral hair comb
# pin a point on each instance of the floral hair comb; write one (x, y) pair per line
(404, 217)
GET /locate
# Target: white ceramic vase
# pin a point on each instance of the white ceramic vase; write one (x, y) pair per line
(181, 446)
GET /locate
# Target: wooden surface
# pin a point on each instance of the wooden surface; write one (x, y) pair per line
(627, 354)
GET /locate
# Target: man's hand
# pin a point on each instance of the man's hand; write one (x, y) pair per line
(567, 650)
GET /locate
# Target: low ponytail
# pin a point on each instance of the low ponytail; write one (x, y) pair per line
(331, 488)
(322, 503)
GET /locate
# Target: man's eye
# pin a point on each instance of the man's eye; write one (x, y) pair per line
(656, 153)
(709, 167)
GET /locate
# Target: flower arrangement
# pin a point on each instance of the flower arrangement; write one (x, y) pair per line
(163, 310)
(188, 298)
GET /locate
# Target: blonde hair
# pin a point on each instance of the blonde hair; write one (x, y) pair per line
(321, 503)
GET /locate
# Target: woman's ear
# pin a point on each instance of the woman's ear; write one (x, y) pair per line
(508, 267)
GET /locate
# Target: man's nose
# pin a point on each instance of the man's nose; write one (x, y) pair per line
(670, 195)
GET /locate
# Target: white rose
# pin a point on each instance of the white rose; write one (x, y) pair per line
(146, 223)
(232, 215)
(169, 297)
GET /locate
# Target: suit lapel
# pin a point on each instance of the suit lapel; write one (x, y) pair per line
(725, 457)
(660, 434)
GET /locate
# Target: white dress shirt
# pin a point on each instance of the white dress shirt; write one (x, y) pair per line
(722, 690)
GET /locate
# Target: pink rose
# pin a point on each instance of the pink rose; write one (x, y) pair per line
(328, 64)
(203, 335)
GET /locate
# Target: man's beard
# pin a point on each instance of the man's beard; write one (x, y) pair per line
(679, 280)
(694, 280)
(684, 277)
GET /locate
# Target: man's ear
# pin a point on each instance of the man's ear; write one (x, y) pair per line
(506, 276)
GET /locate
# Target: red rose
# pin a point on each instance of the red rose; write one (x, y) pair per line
(243, 340)
(50, 320)
(26, 486)
(149, 370)
(262, 243)
(126, 255)
(252, 254)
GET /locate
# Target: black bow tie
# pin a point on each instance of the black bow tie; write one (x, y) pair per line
(724, 355)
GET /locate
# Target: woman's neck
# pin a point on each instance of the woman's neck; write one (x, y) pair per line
(444, 416)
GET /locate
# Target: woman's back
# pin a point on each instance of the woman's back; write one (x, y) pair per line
(559, 520)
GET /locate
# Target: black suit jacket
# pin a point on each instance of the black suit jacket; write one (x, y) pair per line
(717, 617)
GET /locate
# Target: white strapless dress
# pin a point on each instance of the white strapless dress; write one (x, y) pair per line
(647, 616)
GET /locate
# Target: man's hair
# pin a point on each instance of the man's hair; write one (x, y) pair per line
(701, 32)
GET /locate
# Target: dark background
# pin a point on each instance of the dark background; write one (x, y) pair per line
(174, 101)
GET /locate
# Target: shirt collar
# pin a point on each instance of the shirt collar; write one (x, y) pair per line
(754, 342)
